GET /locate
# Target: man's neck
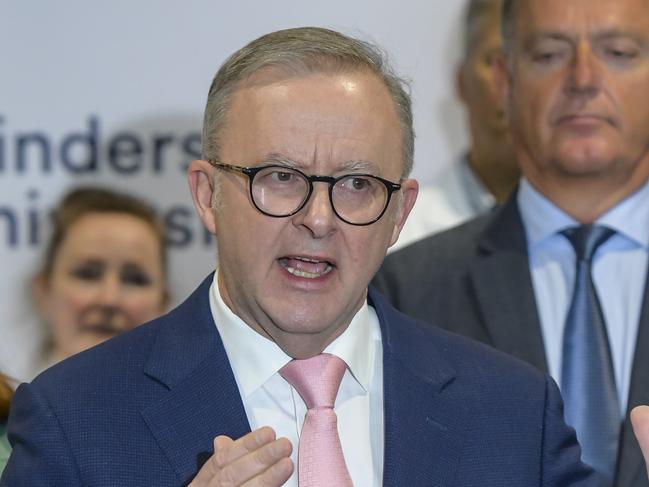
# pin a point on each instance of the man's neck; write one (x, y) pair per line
(585, 200)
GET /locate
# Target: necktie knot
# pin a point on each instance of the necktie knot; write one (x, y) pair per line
(316, 379)
(586, 239)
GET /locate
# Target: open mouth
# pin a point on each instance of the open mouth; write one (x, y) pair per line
(305, 267)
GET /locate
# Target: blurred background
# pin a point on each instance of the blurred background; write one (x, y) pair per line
(112, 93)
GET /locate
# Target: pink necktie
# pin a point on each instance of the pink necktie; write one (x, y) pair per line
(320, 456)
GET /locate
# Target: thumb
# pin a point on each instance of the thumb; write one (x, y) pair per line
(640, 422)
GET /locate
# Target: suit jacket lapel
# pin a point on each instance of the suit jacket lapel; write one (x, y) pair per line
(203, 399)
(503, 287)
(631, 470)
(421, 426)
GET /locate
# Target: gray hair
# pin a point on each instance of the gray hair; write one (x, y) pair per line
(475, 11)
(303, 51)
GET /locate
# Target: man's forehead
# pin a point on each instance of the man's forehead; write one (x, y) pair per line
(531, 16)
(324, 93)
(301, 121)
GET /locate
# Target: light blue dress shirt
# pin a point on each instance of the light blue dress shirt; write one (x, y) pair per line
(619, 273)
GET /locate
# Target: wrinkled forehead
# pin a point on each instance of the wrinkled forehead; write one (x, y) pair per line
(273, 103)
(580, 17)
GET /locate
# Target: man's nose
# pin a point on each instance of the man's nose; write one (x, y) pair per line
(584, 76)
(317, 215)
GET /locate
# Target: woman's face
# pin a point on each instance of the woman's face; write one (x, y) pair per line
(106, 278)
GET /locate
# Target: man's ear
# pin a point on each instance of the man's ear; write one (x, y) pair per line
(200, 175)
(409, 190)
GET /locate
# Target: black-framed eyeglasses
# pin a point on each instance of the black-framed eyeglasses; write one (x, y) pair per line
(280, 191)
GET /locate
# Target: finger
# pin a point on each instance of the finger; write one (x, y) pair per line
(275, 476)
(209, 468)
(640, 422)
(257, 463)
(227, 451)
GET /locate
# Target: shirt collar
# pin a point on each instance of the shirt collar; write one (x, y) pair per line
(543, 219)
(630, 217)
(255, 359)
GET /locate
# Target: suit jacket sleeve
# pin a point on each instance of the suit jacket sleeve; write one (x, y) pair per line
(561, 462)
(41, 454)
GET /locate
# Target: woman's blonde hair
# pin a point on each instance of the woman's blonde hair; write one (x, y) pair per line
(6, 393)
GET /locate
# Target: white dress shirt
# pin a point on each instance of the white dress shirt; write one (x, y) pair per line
(619, 270)
(269, 400)
(454, 197)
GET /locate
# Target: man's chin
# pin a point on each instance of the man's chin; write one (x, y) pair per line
(306, 341)
(585, 158)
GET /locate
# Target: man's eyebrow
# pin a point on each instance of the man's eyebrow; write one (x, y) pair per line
(358, 165)
(353, 165)
(603, 34)
(548, 35)
(618, 33)
(281, 160)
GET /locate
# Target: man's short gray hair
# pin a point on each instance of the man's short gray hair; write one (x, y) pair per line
(303, 51)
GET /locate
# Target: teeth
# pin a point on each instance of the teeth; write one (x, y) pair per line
(307, 275)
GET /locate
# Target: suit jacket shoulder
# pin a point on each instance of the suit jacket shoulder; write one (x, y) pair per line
(474, 280)
(430, 278)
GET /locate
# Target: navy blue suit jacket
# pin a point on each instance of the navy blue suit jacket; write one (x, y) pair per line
(142, 410)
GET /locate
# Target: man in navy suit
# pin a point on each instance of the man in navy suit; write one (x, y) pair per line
(575, 72)
(308, 145)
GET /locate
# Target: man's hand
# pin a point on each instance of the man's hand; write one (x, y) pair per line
(254, 460)
(640, 422)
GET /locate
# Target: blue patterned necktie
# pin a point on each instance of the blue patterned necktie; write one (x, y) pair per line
(587, 376)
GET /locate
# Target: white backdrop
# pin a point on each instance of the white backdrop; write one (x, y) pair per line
(112, 93)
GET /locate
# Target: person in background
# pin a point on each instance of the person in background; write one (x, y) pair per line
(486, 175)
(282, 367)
(104, 270)
(558, 275)
(6, 393)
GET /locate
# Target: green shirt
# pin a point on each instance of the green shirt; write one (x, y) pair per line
(5, 448)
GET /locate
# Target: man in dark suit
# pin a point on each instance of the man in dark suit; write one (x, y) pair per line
(304, 180)
(573, 71)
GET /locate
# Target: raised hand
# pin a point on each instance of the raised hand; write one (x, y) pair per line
(640, 422)
(257, 459)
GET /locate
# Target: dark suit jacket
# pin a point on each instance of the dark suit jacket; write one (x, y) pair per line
(143, 409)
(475, 280)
